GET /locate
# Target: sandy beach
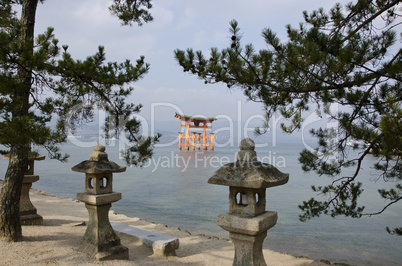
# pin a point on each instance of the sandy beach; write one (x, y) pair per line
(57, 241)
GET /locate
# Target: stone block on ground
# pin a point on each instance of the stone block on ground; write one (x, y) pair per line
(162, 245)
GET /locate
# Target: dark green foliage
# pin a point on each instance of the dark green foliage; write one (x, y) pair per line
(64, 87)
(349, 58)
(129, 11)
(40, 82)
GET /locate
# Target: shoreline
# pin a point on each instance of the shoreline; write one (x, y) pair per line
(57, 240)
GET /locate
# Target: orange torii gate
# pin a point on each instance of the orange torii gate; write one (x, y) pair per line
(197, 123)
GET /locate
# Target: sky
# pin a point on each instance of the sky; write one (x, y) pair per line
(83, 25)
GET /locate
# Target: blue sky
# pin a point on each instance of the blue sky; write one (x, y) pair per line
(85, 24)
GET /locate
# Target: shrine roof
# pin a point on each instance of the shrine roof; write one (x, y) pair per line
(194, 118)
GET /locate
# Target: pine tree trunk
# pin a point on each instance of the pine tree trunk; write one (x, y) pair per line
(10, 225)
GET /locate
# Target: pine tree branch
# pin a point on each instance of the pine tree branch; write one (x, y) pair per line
(383, 209)
(383, 72)
(369, 20)
(334, 199)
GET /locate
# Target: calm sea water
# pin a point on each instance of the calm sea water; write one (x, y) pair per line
(172, 189)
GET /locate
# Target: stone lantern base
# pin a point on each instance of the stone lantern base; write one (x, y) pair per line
(31, 219)
(100, 240)
(248, 249)
(28, 212)
(248, 234)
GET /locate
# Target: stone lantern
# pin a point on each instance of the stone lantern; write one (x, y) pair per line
(100, 239)
(247, 220)
(28, 212)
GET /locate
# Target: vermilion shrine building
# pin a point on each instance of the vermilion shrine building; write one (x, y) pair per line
(196, 139)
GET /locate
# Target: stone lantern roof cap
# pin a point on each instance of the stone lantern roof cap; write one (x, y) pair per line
(98, 163)
(247, 171)
(32, 155)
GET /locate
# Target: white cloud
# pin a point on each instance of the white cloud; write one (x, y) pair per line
(94, 13)
(163, 18)
(200, 38)
(186, 18)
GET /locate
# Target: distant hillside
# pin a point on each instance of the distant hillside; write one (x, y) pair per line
(225, 131)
